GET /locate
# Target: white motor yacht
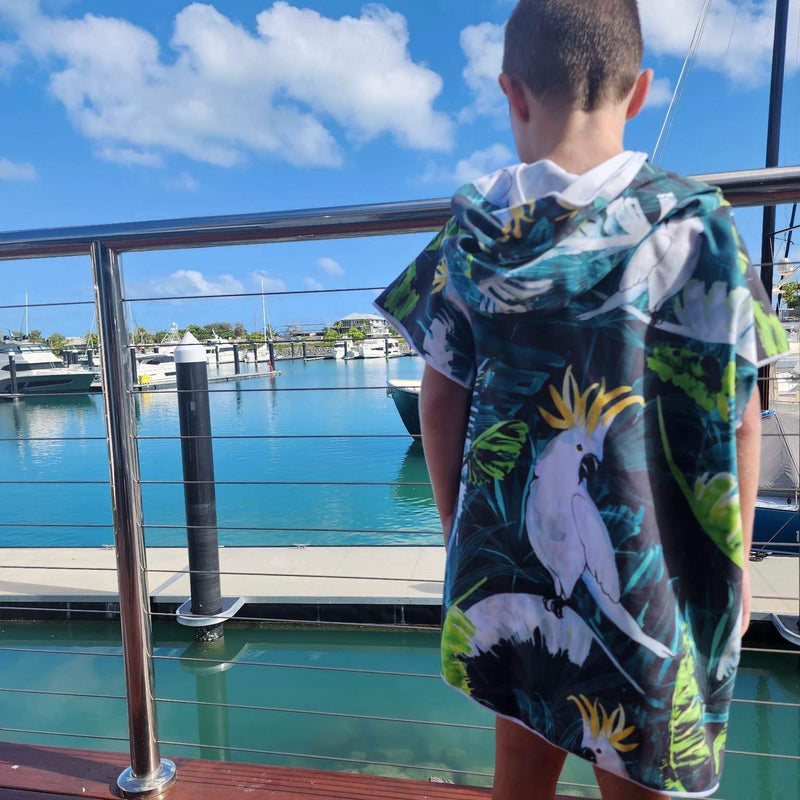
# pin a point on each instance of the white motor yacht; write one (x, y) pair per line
(39, 370)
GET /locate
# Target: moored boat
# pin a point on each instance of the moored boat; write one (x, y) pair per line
(38, 370)
(405, 394)
(777, 521)
(155, 369)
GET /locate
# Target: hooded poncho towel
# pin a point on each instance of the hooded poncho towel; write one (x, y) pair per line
(610, 328)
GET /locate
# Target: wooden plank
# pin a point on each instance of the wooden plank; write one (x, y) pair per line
(27, 771)
(22, 794)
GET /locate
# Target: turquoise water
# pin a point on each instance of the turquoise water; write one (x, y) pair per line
(312, 708)
(317, 398)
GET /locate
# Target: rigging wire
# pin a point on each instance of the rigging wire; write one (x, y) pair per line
(677, 95)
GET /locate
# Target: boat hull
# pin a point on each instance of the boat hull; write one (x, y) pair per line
(50, 382)
(406, 400)
(776, 529)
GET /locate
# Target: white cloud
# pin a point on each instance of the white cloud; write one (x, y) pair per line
(312, 283)
(737, 40)
(129, 157)
(183, 182)
(481, 162)
(271, 284)
(10, 54)
(13, 171)
(330, 265)
(185, 282)
(223, 93)
(483, 46)
(660, 93)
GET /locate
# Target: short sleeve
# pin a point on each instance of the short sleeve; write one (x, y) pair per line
(759, 337)
(422, 304)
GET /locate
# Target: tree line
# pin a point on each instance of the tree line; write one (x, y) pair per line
(224, 330)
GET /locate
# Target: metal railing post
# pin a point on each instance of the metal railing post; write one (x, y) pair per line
(149, 775)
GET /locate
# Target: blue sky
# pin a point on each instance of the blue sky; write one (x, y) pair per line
(117, 111)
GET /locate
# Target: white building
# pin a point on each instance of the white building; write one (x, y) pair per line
(371, 324)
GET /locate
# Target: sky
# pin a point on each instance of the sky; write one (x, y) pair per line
(120, 111)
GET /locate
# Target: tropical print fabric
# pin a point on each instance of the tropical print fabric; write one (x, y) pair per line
(593, 586)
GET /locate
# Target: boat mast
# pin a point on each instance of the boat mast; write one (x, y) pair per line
(773, 155)
(264, 316)
(27, 332)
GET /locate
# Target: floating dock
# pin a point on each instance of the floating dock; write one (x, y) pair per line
(365, 585)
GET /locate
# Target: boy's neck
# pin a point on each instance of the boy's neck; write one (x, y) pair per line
(577, 141)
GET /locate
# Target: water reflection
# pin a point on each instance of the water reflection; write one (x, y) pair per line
(413, 470)
(210, 663)
(329, 693)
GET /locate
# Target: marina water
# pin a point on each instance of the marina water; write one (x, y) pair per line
(314, 456)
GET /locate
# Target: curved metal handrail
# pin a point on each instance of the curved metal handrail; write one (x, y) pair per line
(760, 187)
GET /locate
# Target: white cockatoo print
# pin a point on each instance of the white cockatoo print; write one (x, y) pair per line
(660, 266)
(604, 735)
(518, 617)
(564, 526)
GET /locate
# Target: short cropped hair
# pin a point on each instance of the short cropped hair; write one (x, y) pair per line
(580, 53)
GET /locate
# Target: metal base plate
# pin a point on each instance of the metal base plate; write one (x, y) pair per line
(156, 785)
(787, 626)
(230, 605)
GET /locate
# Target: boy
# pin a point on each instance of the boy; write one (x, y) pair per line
(592, 330)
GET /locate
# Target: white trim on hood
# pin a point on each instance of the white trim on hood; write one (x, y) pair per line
(522, 183)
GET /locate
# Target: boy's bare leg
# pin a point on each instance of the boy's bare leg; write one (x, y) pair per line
(612, 787)
(526, 766)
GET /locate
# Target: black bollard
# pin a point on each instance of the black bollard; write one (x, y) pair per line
(304, 351)
(255, 354)
(198, 489)
(90, 358)
(236, 367)
(271, 348)
(134, 368)
(12, 371)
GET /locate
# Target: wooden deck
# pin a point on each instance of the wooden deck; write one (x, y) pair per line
(29, 772)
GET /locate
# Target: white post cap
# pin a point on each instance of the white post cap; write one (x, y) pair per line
(189, 350)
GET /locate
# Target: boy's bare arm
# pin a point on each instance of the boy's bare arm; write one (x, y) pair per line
(443, 411)
(748, 457)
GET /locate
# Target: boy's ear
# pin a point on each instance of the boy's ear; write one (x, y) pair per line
(514, 90)
(639, 93)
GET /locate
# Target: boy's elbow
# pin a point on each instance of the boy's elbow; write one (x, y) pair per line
(440, 394)
(751, 419)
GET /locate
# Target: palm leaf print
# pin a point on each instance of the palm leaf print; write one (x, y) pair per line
(494, 452)
(403, 299)
(457, 633)
(770, 330)
(714, 501)
(683, 368)
(688, 748)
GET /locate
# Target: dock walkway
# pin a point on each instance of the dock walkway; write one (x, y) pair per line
(359, 584)
(29, 772)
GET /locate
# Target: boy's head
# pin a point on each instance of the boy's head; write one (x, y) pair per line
(581, 54)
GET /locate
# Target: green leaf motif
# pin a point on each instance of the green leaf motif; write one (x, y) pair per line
(403, 298)
(728, 394)
(494, 452)
(714, 501)
(687, 740)
(683, 368)
(716, 506)
(770, 331)
(719, 746)
(457, 633)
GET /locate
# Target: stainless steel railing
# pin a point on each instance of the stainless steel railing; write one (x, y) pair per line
(149, 773)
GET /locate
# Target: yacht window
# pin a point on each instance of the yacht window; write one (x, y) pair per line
(23, 367)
